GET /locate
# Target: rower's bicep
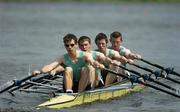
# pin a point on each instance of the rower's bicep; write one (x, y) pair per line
(59, 60)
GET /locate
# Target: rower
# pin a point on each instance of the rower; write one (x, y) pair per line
(101, 41)
(84, 44)
(116, 44)
(74, 62)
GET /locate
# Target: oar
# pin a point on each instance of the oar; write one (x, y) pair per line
(43, 81)
(148, 77)
(45, 85)
(167, 70)
(36, 79)
(13, 83)
(156, 73)
(51, 93)
(136, 79)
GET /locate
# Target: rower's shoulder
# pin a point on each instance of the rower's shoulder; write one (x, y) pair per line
(96, 52)
(123, 48)
(112, 51)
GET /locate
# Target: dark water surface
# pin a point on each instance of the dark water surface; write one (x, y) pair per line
(31, 35)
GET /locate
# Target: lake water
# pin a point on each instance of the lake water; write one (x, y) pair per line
(31, 36)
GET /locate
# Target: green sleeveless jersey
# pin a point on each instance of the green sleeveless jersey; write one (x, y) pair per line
(77, 66)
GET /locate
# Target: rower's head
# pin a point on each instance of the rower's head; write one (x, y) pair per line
(84, 43)
(116, 40)
(70, 42)
(101, 41)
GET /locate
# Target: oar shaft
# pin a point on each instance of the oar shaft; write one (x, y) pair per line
(155, 65)
(176, 81)
(52, 93)
(167, 70)
(149, 78)
(7, 88)
(146, 69)
(39, 80)
(151, 71)
(29, 85)
(146, 84)
(175, 73)
(162, 90)
(13, 83)
(45, 85)
(167, 86)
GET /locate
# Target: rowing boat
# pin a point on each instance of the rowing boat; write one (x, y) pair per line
(51, 85)
(65, 100)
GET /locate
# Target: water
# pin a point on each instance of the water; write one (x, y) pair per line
(31, 36)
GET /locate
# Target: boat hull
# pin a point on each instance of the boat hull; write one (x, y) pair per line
(69, 100)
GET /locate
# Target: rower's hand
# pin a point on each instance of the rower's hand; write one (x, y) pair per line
(109, 60)
(98, 65)
(137, 56)
(36, 72)
(116, 63)
(130, 61)
(53, 72)
(101, 66)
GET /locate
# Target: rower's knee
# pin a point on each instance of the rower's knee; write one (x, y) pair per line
(68, 70)
(88, 71)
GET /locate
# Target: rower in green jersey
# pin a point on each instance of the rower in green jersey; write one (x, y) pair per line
(84, 43)
(74, 62)
(116, 44)
(101, 41)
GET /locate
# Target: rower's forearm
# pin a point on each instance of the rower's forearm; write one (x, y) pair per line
(123, 60)
(108, 60)
(46, 69)
(59, 69)
(96, 64)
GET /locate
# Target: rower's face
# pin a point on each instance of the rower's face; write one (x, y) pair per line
(85, 46)
(70, 46)
(116, 43)
(102, 45)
